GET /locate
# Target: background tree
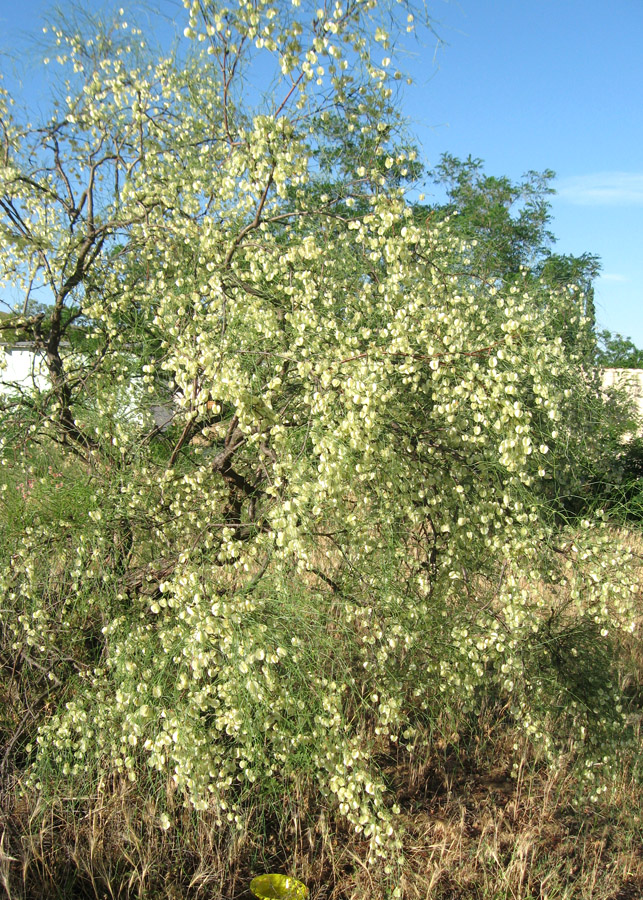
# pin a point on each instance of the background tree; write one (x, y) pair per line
(507, 220)
(505, 225)
(618, 352)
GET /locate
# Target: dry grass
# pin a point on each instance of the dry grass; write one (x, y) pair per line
(475, 828)
(482, 834)
(471, 831)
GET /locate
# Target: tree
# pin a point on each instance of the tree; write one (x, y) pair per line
(504, 225)
(618, 352)
(507, 220)
(338, 543)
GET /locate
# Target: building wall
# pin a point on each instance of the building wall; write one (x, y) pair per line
(629, 379)
(23, 368)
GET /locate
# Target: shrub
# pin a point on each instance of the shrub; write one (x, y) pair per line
(341, 540)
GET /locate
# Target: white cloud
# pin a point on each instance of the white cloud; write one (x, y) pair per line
(603, 188)
(612, 276)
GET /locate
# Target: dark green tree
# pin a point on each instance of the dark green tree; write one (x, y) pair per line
(508, 220)
(506, 226)
(614, 351)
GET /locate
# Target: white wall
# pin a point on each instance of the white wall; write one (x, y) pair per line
(629, 379)
(23, 369)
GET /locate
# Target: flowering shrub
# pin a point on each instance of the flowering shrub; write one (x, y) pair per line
(340, 536)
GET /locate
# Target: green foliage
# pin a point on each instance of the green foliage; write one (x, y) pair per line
(504, 225)
(342, 536)
(617, 352)
(508, 220)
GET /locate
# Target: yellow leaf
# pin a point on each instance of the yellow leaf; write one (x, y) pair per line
(278, 887)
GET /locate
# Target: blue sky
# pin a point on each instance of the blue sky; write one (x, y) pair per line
(552, 84)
